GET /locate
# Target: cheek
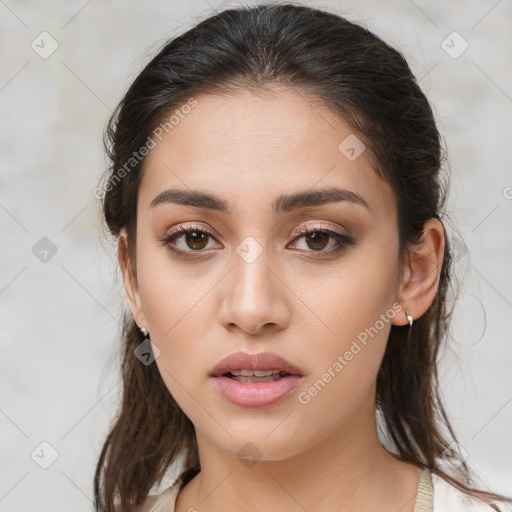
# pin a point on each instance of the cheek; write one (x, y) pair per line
(179, 319)
(344, 365)
(171, 292)
(347, 346)
(177, 307)
(347, 298)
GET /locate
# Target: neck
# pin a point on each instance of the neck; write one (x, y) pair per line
(348, 468)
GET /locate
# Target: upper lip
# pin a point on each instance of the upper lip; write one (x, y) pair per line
(259, 361)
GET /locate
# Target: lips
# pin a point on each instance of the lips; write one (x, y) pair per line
(260, 361)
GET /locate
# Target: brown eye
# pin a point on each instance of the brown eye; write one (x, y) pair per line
(317, 240)
(323, 241)
(188, 242)
(196, 240)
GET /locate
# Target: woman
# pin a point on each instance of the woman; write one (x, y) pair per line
(276, 192)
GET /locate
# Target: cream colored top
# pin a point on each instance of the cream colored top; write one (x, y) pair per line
(433, 495)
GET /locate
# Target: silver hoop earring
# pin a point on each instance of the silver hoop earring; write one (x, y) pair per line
(409, 318)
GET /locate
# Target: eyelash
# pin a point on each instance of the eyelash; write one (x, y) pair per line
(342, 240)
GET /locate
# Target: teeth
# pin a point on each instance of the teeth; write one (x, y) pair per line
(263, 373)
(253, 378)
(255, 373)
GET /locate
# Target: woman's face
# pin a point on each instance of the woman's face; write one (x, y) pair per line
(254, 282)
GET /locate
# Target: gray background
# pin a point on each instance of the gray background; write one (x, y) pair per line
(60, 317)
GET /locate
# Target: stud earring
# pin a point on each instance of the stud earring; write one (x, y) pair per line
(409, 318)
(144, 331)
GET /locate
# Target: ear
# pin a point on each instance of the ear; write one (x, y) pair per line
(130, 280)
(420, 276)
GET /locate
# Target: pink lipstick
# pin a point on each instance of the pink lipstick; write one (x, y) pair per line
(256, 380)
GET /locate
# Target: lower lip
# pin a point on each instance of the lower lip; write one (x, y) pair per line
(256, 394)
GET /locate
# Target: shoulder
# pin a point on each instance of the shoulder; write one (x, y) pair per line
(162, 502)
(448, 498)
(165, 501)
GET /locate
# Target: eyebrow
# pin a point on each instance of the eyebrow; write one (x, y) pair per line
(285, 203)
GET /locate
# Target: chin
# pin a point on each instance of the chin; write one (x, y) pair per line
(251, 449)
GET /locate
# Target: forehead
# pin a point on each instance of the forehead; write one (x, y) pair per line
(267, 143)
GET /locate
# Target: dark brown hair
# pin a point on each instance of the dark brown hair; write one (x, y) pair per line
(367, 83)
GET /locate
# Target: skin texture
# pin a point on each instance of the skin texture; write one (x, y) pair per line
(303, 304)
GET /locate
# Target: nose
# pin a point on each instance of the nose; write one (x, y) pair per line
(255, 296)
